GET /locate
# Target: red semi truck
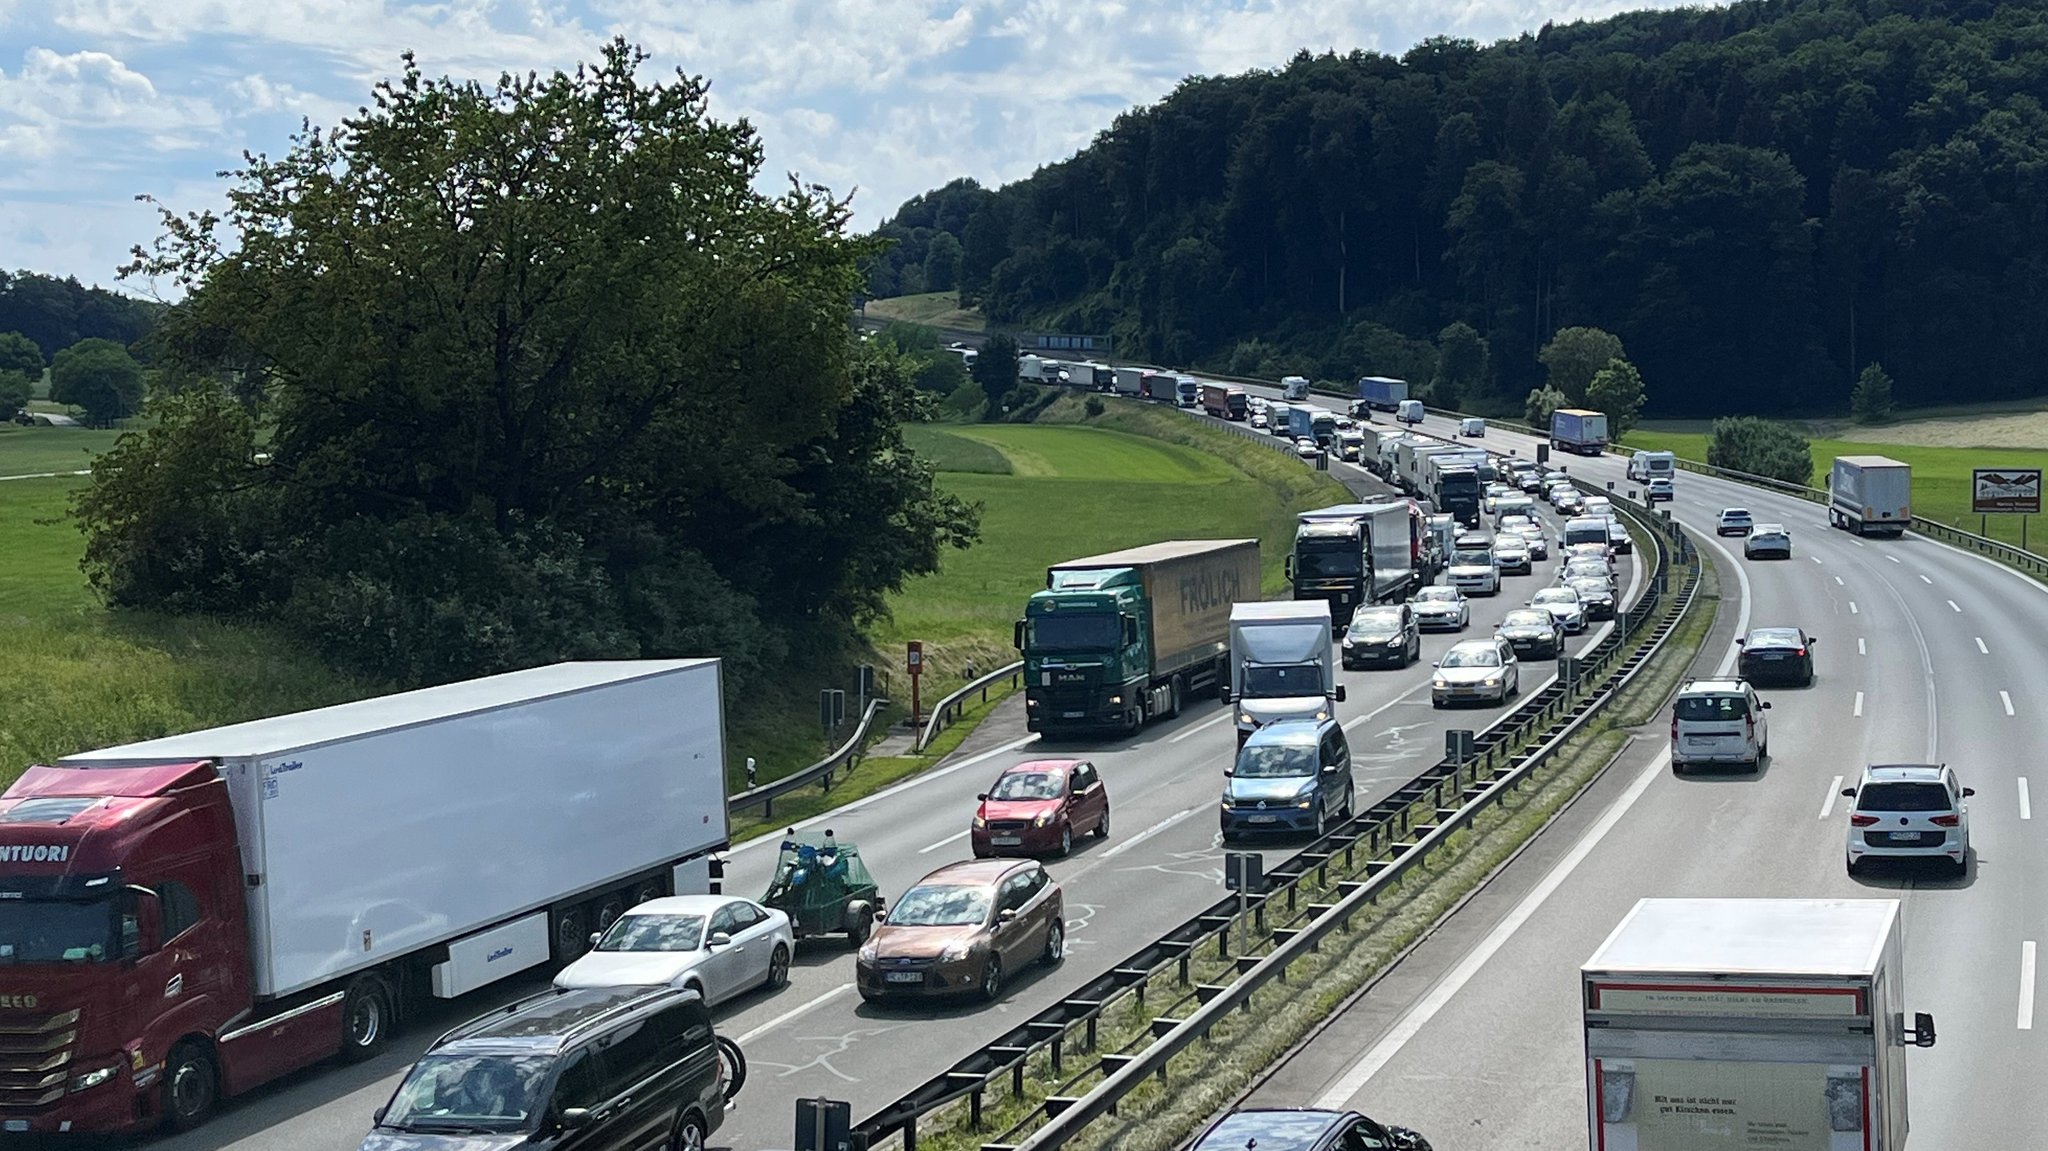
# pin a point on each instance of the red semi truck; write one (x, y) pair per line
(187, 918)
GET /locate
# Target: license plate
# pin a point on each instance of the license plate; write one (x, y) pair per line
(1265, 819)
(1072, 714)
(17, 1125)
(1905, 837)
(1773, 654)
(904, 977)
(1006, 840)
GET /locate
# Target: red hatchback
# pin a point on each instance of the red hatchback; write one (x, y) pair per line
(1039, 806)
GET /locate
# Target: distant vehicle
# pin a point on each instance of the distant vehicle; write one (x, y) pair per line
(1386, 635)
(1564, 606)
(1187, 391)
(1294, 388)
(1781, 654)
(1644, 466)
(1305, 1130)
(1040, 806)
(1909, 811)
(1593, 550)
(1441, 609)
(1410, 412)
(1578, 431)
(1596, 593)
(1718, 721)
(1281, 663)
(1258, 420)
(1162, 387)
(1734, 522)
(1533, 633)
(716, 945)
(1617, 536)
(962, 929)
(1568, 500)
(1307, 448)
(1291, 776)
(1587, 529)
(1474, 569)
(1130, 381)
(1870, 495)
(1659, 490)
(1476, 671)
(1538, 543)
(1473, 427)
(1768, 541)
(1512, 553)
(1224, 401)
(1381, 393)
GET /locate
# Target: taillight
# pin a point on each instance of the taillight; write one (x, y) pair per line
(1674, 729)
(1945, 820)
(1801, 651)
(1862, 820)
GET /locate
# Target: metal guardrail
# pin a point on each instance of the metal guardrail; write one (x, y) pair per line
(947, 710)
(845, 755)
(1499, 760)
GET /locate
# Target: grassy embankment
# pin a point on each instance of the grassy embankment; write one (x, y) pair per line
(938, 309)
(1941, 475)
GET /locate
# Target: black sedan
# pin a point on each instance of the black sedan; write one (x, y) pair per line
(1304, 1130)
(1533, 632)
(1777, 655)
(1596, 594)
(1385, 636)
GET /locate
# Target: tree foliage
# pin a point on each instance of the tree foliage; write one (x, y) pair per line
(54, 313)
(15, 392)
(1871, 401)
(1756, 198)
(1541, 403)
(99, 376)
(20, 354)
(995, 367)
(1461, 365)
(541, 376)
(1760, 447)
(1574, 356)
(1617, 390)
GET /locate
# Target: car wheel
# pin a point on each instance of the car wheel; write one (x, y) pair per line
(1961, 867)
(191, 1086)
(1854, 865)
(1102, 825)
(1350, 808)
(1677, 766)
(981, 852)
(1066, 839)
(1322, 820)
(778, 968)
(992, 979)
(1055, 944)
(689, 1135)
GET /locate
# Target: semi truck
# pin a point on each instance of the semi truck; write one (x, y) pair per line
(1294, 388)
(1352, 442)
(1306, 421)
(1224, 401)
(1454, 485)
(1382, 393)
(1282, 664)
(187, 918)
(1119, 639)
(1870, 495)
(1162, 386)
(1411, 461)
(1130, 381)
(1187, 391)
(1356, 554)
(1749, 1023)
(1096, 377)
(1578, 431)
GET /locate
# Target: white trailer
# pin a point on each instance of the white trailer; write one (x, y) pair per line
(1282, 663)
(1870, 495)
(1749, 1023)
(1130, 381)
(460, 821)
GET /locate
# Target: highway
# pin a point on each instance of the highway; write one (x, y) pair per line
(1161, 864)
(1926, 653)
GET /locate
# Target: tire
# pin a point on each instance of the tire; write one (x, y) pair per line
(1854, 865)
(609, 909)
(735, 1063)
(1066, 839)
(778, 969)
(191, 1086)
(1322, 820)
(689, 1134)
(992, 979)
(859, 929)
(1960, 869)
(648, 889)
(1055, 944)
(572, 936)
(1678, 767)
(1102, 825)
(1175, 691)
(1350, 808)
(366, 1018)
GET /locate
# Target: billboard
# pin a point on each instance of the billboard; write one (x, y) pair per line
(2005, 490)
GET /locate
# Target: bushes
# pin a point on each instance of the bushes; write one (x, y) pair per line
(1760, 447)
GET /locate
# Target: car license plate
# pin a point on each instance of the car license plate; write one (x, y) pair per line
(1072, 714)
(1006, 840)
(1905, 837)
(1773, 654)
(904, 977)
(17, 1125)
(1265, 819)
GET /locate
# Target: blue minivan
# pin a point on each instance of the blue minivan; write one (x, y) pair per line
(1290, 776)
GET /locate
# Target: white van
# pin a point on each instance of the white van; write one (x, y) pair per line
(1474, 428)
(1718, 721)
(1652, 465)
(1410, 412)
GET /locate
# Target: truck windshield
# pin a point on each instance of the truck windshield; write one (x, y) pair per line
(458, 1093)
(1282, 681)
(1327, 559)
(1082, 631)
(56, 931)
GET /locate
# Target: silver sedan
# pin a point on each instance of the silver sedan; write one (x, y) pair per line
(1441, 609)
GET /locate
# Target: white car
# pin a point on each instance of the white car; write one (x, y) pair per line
(1768, 540)
(1473, 427)
(1441, 608)
(1306, 448)
(1718, 721)
(1511, 551)
(1563, 605)
(1910, 811)
(1474, 569)
(717, 944)
(1539, 544)
(1659, 490)
(1258, 419)
(1734, 522)
(1478, 670)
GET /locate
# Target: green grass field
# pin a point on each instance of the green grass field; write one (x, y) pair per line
(1941, 476)
(38, 450)
(938, 309)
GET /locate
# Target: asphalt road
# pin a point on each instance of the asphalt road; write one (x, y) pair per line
(1926, 653)
(815, 1037)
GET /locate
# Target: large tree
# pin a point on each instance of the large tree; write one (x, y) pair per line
(1575, 355)
(99, 376)
(18, 353)
(542, 376)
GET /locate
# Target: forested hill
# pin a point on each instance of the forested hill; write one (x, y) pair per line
(1759, 199)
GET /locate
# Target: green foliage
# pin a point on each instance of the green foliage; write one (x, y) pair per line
(909, 339)
(1094, 407)
(1574, 356)
(995, 368)
(16, 390)
(967, 402)
(1461, 365)
(940, 373)
(1871, 402)
(98, 376)
(54, 314)
(485, 429)
(1617, 390)
(1536, 410)
(19, 354)
(1761, 447)
(925, 251)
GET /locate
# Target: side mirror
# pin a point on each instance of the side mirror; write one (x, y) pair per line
(1438, 663)
(1969, 791)
(1766, 705)
(1017, 636)
(1740, 641)
(720, 939)
(1223, 692)
(1923, 1029)
(880, 915)
(1849, 791)
(595, 936)
(983, 797)
(1287, 567)
(1811, 640)
(377, 1116)
(1006, 915)
(1340, 693)
(1130, 631)
(575, 1118)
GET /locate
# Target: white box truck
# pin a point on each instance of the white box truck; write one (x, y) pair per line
(275, 892)
(1749, 1023)
(1870, 495)
(1282, 663)
(1130, 381)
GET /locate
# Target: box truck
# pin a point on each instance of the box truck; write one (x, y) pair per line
(1283, 664)
(1161, 386)
(1382, 393)
(1224, 401)
(1578, 431)
(1354, 554)
(1749, 1023)
(186, 918)
(1130, 381)
(1294, 388)
(1870, 495)
(1116, 640)
(1280, 418)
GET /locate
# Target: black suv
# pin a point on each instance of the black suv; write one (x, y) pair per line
(589, 1069)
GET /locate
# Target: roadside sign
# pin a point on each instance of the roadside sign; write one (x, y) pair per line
(2008, 490)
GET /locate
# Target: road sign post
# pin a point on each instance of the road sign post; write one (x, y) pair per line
(916, 665)
(823, 1124)
(1242, 871)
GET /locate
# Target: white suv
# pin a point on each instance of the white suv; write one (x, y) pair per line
(1718, 721)
(1911, 811)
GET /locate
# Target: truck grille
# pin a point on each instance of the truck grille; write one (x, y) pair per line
(35, 1058)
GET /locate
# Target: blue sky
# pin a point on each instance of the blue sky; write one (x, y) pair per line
(101, 100)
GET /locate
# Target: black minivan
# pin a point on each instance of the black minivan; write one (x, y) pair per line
(593, 1069)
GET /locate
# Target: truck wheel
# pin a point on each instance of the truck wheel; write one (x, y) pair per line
(609, 910)
(572, 937)
(366, 1018)
(1173, 694)
(862, 921)
(191, 1086)
(648, 889)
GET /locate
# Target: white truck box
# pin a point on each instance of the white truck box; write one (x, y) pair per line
(1749, 1023)
(377, 828)
(1276, 640)
(1130, 381)
(1870, 494)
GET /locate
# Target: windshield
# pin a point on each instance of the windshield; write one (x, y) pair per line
(1278, 681)
(1317, 559)
(1593, 589)
(1275, 762)
(52, 931)
(1459, 483)
(469, 1092)
(1437, 595)
(1591, 534)
(654, 933)
(1376, 621)
(1479, 557)
(937, 905)
(1556, 595)
(1528, 619)
(1030, 785)
(1081, 631)
(1471, 657)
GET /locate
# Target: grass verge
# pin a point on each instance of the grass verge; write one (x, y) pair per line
(1208, 1076)
(42, 449)
(938, 309)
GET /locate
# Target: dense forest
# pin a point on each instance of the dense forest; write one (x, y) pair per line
(1760, 200)
(56, 313)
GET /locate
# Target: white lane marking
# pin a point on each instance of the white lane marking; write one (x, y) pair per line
(2026, 801)
(792, 1013)
(2026, 1016)
(1952, 604)
(1894, 559)
(1858, 543)
(1149, 832)
(1203, 726)
(2007, 701)
(1859, 705)
(1860, 649)
(1827, 805)
(1353, 724)
(953, 838)
(885, 793)
(1815, 559)
(1852, 608)
(1838, 581)
(1925, 580)
(1980, 646)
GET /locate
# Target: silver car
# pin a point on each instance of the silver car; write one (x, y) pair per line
(1910, 811)
(1476, 671)
(1441, 609)
(718, 944)
(1579, 567)
(1563, 605)
(1511, 552)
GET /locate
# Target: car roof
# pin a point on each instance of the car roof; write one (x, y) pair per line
(1043, 765)
(1767, 529)
(1280, 1129)
(682, 905)
(978, 872)
(1480, 644)
(1542, 591)
(1734, 511)
(1903, 772)
(1720, 685)
(1290, 732)
(553, 1019)
(1528, 614)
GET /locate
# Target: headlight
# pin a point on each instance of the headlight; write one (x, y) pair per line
(1439, 681)
(867, 952)
(957, 952)
(1394, 641)
(93, 1078)
(1305, 804)
(1116, 700)
(1492, 681)
(980, 824)
(1322, 713)
(1228, 801)
(1244, 717)
(1044, 817)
